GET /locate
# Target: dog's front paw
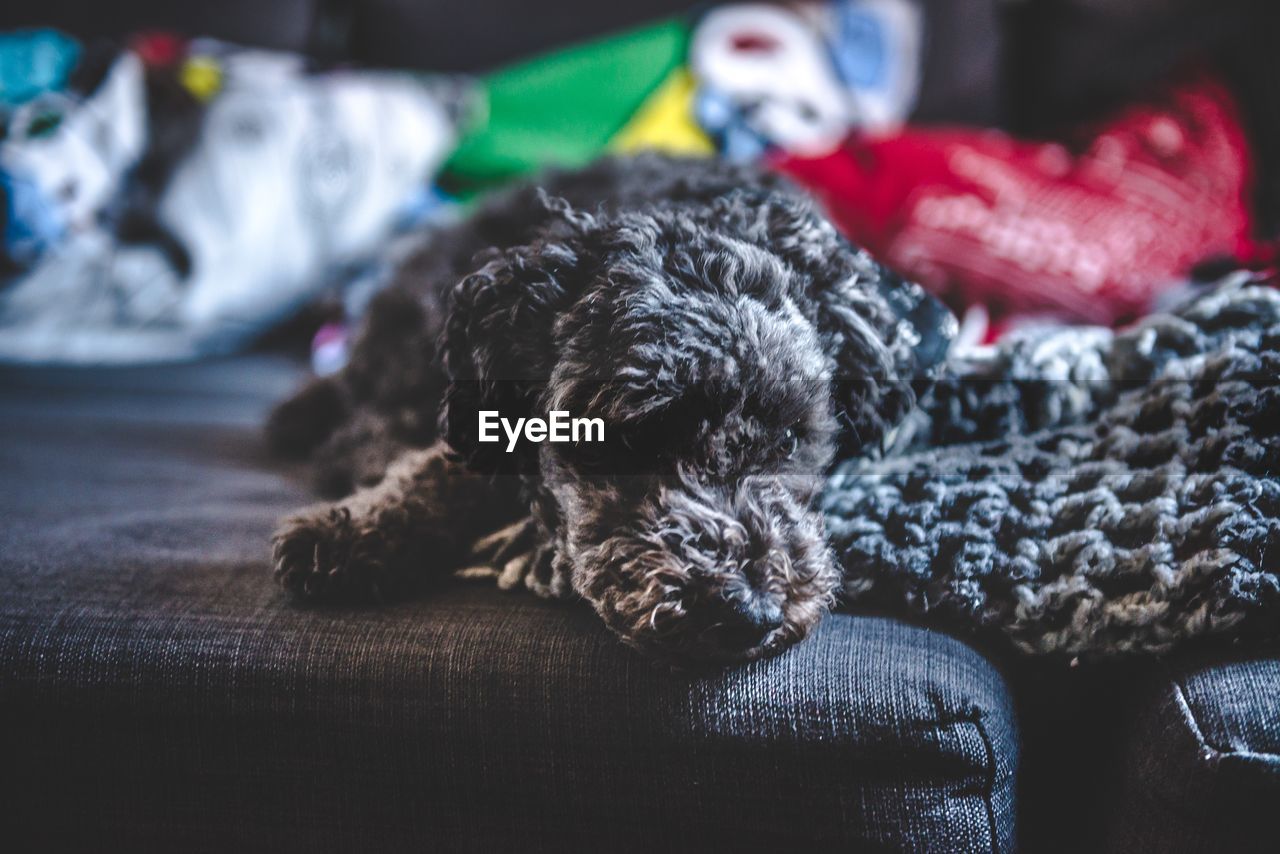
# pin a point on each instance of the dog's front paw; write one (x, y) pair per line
(323, 555)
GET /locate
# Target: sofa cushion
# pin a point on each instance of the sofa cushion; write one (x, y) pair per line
(478, 35)
(159, 692)
(1202, 770)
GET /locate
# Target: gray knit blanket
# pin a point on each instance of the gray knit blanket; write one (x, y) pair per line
(1075, 490)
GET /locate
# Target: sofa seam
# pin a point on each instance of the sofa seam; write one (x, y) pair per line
(1193, 725)
(990, 782)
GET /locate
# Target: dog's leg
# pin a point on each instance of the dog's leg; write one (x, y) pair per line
(418, 522)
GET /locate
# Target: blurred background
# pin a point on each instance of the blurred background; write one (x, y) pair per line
(187, 180)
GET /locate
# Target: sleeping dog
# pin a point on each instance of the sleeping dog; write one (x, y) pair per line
(730, 343)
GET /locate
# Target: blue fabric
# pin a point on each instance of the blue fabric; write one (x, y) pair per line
(32, 221)
(33, 62)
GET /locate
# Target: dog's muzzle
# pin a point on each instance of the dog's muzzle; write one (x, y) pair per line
(710, 572)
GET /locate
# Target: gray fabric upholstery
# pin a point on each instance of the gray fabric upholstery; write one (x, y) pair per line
(1201, 771)
(161, 694)
(476, 35)
(284, 24)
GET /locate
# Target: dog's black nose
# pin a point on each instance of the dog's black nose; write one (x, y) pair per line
(747, 621)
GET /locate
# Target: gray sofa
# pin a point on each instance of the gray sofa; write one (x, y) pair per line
(160, 694)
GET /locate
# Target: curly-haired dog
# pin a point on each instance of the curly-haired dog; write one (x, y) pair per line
(730, 340)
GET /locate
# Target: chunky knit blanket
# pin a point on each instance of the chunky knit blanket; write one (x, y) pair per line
(1083, 491)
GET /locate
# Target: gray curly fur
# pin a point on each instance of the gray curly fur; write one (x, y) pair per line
(1079, 491)
(730, 339)
(1072, 491)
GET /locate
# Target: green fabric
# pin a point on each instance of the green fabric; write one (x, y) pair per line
(562, 108)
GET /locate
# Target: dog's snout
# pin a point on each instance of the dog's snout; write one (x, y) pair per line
(759, 613)
(747, 621)
(714, 572)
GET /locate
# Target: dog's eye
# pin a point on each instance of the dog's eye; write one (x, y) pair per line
(790, 443)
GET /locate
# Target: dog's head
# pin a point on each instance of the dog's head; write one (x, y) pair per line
(729, 348)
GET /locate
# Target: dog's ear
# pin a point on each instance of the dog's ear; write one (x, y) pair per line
(886, 337)
(498, 347)
(890, 339)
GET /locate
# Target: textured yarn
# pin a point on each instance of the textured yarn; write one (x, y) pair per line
(1084, 491)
